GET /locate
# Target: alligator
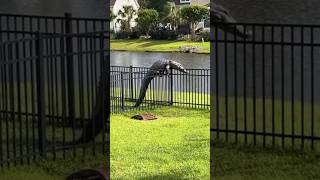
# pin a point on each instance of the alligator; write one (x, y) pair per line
(159, 68)
(220, 14)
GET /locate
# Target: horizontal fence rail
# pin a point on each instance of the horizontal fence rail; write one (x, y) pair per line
(176, 88)
(16, 26)
(266, 85)
(53, 95)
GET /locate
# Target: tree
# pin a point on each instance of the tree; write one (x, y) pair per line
(194, 14)
(162, 6)
(172, 17)
(126, 15)
(147, 19)
(112, 18)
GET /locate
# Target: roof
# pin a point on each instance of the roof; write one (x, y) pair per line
(200, 2)
(194, 2)
(112, 2)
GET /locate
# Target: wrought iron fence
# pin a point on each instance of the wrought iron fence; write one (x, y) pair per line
(179, 89)
(17, 26)
(265, 87)
(53, 95)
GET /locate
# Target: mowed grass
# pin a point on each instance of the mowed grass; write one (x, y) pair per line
(275, 117)
(239, 162)
(156, 45)
(52, 170)
(175, 146)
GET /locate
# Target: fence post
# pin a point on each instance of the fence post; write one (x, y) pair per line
(131, 82)
(122, 92)
(171, 87)
(70, 68)
(40, 95)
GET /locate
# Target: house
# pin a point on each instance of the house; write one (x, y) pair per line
(205, 24)
(116, 6)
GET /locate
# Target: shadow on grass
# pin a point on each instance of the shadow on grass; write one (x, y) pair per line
(156, 43)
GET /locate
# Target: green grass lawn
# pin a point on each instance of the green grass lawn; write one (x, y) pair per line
(176, 146)
(235, 162)
(156, 45)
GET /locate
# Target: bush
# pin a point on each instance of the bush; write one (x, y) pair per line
(127, 35)
(122, 35)
(205, 35)
(164, 35)
(198, 37)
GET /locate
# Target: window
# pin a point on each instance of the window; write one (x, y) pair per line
(185, 1)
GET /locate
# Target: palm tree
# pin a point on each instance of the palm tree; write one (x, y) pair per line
(173, 17)
(126, 17)
(112, 18)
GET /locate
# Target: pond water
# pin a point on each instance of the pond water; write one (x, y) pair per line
(146, 59)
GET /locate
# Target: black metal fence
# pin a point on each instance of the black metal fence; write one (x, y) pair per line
(266, 87)
(179, 89)
(53, 95)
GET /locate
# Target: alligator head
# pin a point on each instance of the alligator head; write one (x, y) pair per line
(177, 66)
(220, 14)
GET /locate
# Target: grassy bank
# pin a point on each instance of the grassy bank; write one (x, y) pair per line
(176, 146)
(156, 45)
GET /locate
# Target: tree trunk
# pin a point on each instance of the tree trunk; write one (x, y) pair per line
(192, 29)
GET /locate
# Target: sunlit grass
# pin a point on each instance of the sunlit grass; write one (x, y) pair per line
(157, 45)
(176, 146)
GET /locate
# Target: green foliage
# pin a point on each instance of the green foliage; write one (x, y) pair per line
(147, 19)
(162, 6)
(126, 15)
(164, 35)
(194, 14)
(172, 17)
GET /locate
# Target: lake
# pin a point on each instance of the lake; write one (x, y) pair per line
(146, 59)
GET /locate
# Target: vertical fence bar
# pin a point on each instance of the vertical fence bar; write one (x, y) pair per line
(272, 87)
(312, 87)
(263, 88)
(40, 95)
(302, 86)
(235, 84)
(226, 98)
(245, 86)
(282, 90)
(131, 82)
(292, 87)
(122, 90)
(171, 87)
(70, 68)
(217, 81)
(254, 85)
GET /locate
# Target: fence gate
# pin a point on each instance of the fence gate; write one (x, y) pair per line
(53, 87)
(266, 86)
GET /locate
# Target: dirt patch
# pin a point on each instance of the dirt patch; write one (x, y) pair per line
(144, 117)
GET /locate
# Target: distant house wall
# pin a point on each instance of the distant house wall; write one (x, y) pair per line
(116, 6)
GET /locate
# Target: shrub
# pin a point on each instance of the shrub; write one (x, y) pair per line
(127, 35)
(122, 35)
(205, 35)
(164, 35)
